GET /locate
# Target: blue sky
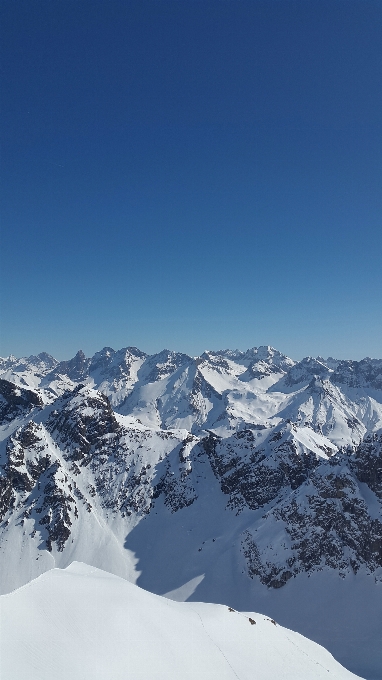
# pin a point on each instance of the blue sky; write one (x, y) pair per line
(191, 175)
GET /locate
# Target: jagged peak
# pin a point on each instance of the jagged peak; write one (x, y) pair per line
(105, 351)
(80, 355)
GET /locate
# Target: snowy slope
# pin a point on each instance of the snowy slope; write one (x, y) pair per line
(242, 478)
(86, 624)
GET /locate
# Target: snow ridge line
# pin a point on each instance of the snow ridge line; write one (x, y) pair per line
(215, 643)
(291, 641)
(307, 655)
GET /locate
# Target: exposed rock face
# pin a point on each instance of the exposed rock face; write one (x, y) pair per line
(33, 484)
(325, 523)
(81, 422)
(265, 361)
(82, 457)
(252, 476)
(162, 365)
(305, 370)
(367, 462)
(108, 363)
(294, 448)
(76, 369)
(365, 373)
(16, 402)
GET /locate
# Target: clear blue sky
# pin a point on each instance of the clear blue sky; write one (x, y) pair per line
(191, 175)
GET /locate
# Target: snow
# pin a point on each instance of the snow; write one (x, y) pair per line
(194, 553)
(85, 624)
(186, 590)
(314, 441)
(371, 500)
(160, 390)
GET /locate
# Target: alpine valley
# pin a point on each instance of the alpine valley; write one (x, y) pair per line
(239, 478)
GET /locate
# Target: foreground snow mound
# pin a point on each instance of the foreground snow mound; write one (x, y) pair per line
(83, 623)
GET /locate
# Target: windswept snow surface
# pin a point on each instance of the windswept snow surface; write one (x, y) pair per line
(85, 624)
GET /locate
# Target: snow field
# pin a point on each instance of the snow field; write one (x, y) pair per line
(85, 624)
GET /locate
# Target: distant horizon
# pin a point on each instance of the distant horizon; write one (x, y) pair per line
(90, 354)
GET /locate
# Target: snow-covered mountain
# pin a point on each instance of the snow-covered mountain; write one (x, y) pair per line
(242, 478)
(86, 624)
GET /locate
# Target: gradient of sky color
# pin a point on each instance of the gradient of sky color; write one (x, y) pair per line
(191, 174)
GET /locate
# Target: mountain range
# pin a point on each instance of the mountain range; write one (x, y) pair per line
(241, 478)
